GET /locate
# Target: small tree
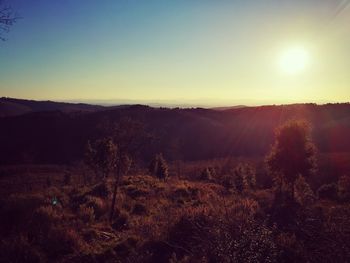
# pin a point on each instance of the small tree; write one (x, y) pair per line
(162, 171)
(129, 136)
(293, 153)
(153, 166)
(101, 157)
(158, 167)
(244, 177)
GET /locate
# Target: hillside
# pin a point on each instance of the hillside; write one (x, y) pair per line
(14, 107)
(186, 134)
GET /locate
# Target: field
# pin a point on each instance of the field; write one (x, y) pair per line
(61, 214)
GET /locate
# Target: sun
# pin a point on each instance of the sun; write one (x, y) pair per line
(294, 60)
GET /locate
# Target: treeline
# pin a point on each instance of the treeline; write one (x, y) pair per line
(180, 134)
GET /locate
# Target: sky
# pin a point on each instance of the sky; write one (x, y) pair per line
(217, 52)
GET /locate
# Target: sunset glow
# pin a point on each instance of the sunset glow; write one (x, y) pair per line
(194, 52)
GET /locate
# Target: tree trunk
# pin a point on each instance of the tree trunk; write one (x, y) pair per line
(115, 191)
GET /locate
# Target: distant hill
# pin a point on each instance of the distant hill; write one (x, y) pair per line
(229, 107)
(13, 107)
(186, 134)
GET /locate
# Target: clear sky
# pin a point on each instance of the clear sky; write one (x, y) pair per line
(204, 51)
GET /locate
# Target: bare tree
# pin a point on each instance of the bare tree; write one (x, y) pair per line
(129, 136)
(7, 18)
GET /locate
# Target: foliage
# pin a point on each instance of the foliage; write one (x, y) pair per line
(101, 156)
(293, 152)
(344, 188)
(244, 177)
(206, 174)
(159, 167)
(302, 192)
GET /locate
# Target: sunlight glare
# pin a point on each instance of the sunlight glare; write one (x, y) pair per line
(294, 60)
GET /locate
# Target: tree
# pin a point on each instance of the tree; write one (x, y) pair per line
(7, 19)
(129, 136)
(101, 157)
(158, 167)
(292, 154)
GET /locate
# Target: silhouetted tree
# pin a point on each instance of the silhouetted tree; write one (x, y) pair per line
(153, 166)
(158, 167)
(129, 136)
(7, 19)
(162, 171)
(101, 157)
(293, 153)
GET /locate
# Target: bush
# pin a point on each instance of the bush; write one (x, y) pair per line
(159, 167)
(206, 175)
(328, 191)
(98, 204)
(302, 192)
(344, 188)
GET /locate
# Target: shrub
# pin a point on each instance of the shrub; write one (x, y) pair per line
(328, 191)
(98, 204)
(206, 174)
(159, 167)
(86, 213)
(244, 177)
(344, 188)
(227, 181)
(302, 192)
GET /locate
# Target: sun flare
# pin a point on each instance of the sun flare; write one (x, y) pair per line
(294, 60)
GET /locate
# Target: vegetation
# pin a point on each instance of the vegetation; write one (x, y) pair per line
(158, 167)
(214, 211)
